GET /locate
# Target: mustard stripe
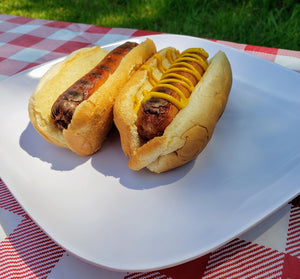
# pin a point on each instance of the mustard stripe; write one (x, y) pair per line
(180, 77)
(170, 86)
(200, 51)
(185, 67)
(196, 59)
(151, 77)
(160, 66)
(138, 105)
(170, 56)
(175, 80)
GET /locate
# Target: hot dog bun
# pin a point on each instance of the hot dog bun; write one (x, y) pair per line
(191, 129)
(93, 118)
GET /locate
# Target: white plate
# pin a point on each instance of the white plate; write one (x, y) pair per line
(98, 209)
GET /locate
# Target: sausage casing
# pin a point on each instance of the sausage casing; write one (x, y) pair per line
(63, 108)
(156, 113)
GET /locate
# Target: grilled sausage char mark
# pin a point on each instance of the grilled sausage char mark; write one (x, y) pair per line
(64, 107)
(156, 114)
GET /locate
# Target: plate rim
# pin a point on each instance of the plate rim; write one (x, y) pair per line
(162, 266)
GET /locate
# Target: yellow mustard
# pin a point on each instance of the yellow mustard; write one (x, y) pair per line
(152, 79)
(170, 76)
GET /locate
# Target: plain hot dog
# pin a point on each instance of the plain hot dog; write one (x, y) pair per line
(173, 104)
(72, 106)
(65, 105)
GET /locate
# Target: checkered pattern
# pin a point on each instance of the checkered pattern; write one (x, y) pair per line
(244, 259)
(26, 252)
(27, 42)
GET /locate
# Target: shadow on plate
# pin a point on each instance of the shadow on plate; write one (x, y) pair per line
(60, 158)
(111, 161)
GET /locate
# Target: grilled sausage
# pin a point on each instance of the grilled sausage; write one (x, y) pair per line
(72, 105)
(156, 114)
(63, 109)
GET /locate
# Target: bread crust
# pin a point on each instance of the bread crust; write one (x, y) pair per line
(93, 118)
(191, 129)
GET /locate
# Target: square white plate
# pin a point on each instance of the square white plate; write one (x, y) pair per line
(98, 209)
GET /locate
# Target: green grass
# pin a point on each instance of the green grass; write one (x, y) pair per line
(258, 22)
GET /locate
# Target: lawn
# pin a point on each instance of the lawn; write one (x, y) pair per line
(258, 22)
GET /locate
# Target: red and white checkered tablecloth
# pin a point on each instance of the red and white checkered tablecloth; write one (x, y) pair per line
(269, 250)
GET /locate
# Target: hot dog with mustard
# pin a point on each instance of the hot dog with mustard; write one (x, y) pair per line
(168, 110)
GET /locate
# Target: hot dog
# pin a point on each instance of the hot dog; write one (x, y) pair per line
(173, 104)
(72, 105)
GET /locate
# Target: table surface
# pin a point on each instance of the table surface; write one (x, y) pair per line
(269, 250)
